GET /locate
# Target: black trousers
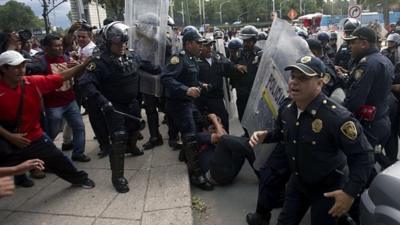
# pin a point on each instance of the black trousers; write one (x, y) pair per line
(53, 159)
(229, 156)
(274, 175)
(98, 123)
(299, 197)
(150, 106)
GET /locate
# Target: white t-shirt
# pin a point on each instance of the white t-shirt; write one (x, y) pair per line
(86, 51)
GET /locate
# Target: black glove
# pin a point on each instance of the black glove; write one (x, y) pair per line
(107, 108)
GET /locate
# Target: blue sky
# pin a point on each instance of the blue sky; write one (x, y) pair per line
(58, 16)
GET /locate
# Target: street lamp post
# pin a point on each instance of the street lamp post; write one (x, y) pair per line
(273, 5)
(220, 10)
(47, 11)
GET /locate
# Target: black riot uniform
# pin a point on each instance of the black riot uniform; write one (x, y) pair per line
(180, 76)
(250, 58)
(212, 100)
(111, 82)
(343, 55)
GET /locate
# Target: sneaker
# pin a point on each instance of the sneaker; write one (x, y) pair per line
(81, 158)
(175, 145)
(37, 174)
(87, 184)
(201, 182)
(67, 147)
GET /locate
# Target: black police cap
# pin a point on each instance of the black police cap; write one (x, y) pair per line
(363, 33)
(309, 65)
(192, 35)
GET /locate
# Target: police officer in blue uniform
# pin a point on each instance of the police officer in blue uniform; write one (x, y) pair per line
(180, 79)
(213, 68)
(111, 81)
(247, 64)
(329, 156)
(369, 88)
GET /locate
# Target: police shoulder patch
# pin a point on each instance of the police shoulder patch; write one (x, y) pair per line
(174, 60)
(349, 130)
(91, 66)
(326, 78)
(358, 73)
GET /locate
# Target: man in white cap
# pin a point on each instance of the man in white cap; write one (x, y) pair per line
(21, 135)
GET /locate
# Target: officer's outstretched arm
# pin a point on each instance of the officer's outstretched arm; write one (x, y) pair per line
(257, 137)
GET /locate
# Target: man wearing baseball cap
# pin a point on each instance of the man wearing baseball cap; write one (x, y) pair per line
(180, 79)
(21, 134)
(328, 154)
(369, 94)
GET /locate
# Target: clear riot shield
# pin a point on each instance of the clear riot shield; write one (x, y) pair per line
(282, 48)
(149, 20)
(220, 46)
(229, 99)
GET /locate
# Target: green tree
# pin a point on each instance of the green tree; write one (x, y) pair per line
(26, 19)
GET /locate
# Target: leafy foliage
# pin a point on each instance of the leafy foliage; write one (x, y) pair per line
(17, 16)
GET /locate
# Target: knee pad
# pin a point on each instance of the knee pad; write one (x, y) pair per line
(119, 137)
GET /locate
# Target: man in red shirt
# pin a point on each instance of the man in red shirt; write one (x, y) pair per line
(60, 103)
(24, 134)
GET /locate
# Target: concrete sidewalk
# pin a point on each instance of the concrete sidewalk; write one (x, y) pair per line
(159, 193)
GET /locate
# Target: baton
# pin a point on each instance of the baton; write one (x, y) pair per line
(137, 119)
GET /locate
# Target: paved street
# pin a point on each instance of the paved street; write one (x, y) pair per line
(159, 193)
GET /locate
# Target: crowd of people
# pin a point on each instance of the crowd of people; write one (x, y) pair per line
(340, 117)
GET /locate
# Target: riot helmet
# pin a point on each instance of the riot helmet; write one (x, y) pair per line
(248, 32)
(333, 36)
(115, 32)
(171, 21)
(350, 25)
(235, 43)
(394, 38)
(188, 28)
(323, 37)
(218, 34)
(262, 36)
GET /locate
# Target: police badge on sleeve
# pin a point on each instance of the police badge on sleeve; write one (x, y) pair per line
(91, 67)
(349, 130)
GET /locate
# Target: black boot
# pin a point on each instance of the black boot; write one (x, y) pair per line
(117, 167)
(258, 219)
(132, 147)
(153, 142)
(197, 177)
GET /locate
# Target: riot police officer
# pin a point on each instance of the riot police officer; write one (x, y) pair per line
(234, 48)
(343, 54)
(247, 64)
(329, 155)
(111, 81)
(180, 79)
